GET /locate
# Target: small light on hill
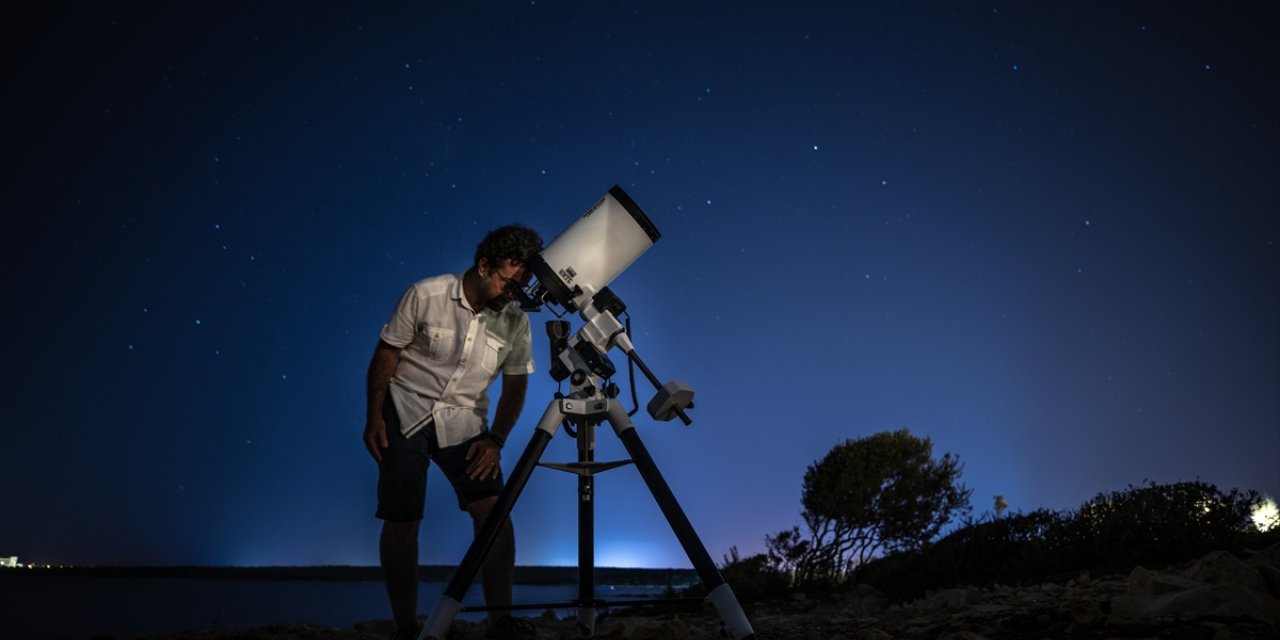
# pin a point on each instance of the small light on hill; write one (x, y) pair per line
(1265, 515)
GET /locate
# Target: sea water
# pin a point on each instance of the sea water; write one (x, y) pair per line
(44, 607)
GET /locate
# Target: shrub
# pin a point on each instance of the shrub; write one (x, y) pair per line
(883, 492)
(1151, 525)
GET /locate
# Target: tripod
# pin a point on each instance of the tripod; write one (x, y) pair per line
(589, 404)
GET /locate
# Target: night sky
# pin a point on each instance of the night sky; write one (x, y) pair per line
(1042, 235)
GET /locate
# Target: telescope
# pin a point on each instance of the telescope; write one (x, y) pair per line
(573, 274)
(587, 256)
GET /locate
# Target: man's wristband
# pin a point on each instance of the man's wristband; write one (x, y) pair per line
(496, 438)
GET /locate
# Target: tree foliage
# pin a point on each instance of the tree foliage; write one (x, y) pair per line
(885, 492)
(1150, 525)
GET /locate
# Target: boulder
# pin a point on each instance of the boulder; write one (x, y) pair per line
(950, 599)
(1217, 601)
(963, 635)
(1143, 581)
(1267, 563)
(1269, 557)
(647, 628)
(872, 634)
(1220, 567)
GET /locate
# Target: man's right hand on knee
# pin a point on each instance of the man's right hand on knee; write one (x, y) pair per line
(375, 437)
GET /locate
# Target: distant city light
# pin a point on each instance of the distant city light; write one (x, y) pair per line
(1266, 516)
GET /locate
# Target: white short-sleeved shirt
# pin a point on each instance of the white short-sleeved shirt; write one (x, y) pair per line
(449, 356)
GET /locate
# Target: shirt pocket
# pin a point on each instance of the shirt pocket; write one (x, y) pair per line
(438, 343)
(495, 351)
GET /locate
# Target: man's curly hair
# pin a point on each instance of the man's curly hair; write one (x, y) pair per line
(513, 242)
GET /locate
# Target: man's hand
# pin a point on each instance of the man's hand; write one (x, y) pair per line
(381, 366)
(375, 437)
(483, 455)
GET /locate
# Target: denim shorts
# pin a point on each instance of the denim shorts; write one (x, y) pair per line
(402, 475)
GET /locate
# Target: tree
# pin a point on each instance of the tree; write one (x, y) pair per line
(884, 492)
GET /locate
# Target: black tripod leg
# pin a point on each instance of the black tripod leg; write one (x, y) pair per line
(718, 592)
(450, 602)
(586, 534)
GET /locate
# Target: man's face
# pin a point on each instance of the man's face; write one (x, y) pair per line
(498, 286)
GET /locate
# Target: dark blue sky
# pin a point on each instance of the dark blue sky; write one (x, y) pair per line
(1043, 236)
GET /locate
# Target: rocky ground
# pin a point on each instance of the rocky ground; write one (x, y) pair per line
(1218, 597)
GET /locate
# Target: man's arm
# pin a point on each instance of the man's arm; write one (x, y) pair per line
(510, 403)
(485, 454)
(381, 367)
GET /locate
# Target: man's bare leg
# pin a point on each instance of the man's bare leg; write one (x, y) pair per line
(399, 553)
(499, 567)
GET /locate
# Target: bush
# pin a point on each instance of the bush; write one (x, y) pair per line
(882, 492)
(1152, 525)
(752, 579)
(1157, 524)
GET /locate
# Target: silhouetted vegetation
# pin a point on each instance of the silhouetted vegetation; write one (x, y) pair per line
(754, 577)
(1152, 525)
(885, 492)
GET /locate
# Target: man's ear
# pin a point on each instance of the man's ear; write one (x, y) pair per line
(482, 266)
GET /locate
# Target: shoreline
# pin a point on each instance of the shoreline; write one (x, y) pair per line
(527, 575)
(1218, 597)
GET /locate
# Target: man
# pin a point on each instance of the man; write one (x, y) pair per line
(445, 343)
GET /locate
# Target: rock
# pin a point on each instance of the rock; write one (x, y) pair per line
(1267, 563)
(865, 600)
(1229, 601)
(1270, 577)
(950, 599)
(1221, 567)
(1269, 557)
(646, 629)
(963, 635)
(1246, 632)
(865, 606)
(872, 634)
(382, 628)
(1142, 581)
(1085, 612)
(989, 610)
(1217, 586)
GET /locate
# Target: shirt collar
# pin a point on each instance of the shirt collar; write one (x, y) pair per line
(455, 292)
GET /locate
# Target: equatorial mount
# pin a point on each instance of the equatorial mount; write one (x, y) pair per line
(573, 273)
